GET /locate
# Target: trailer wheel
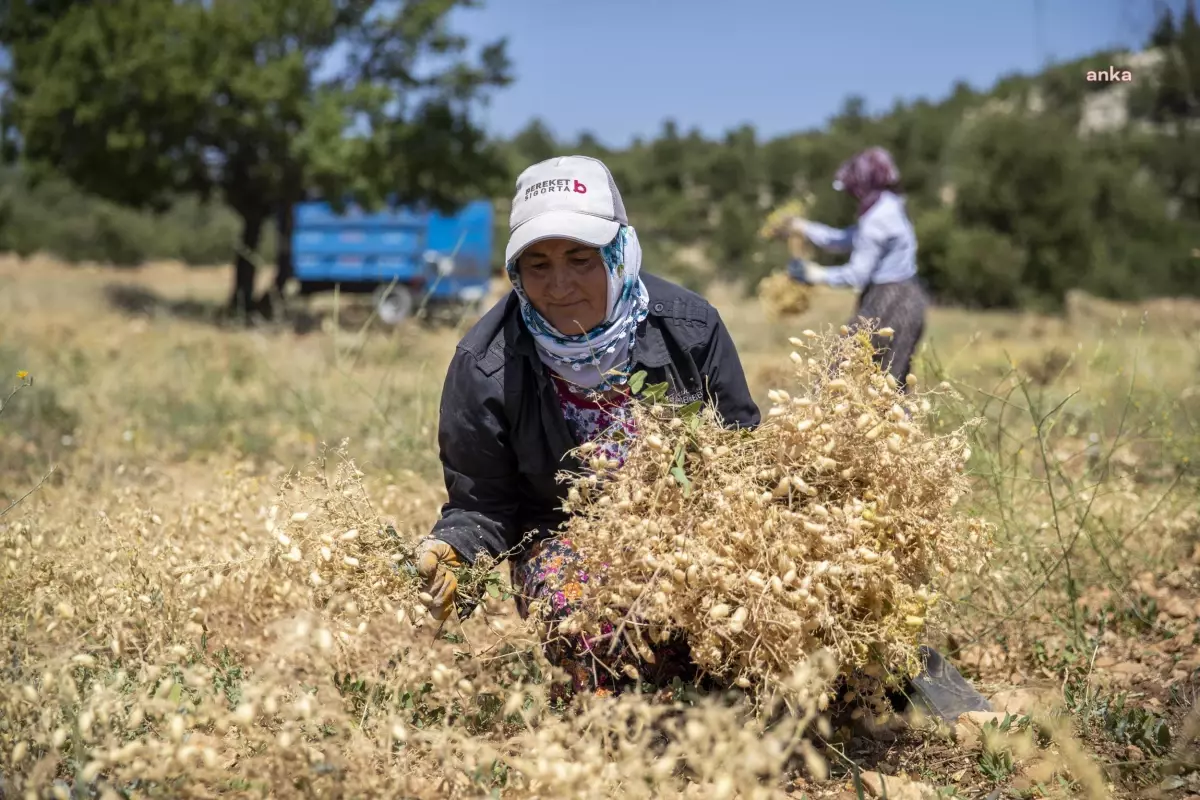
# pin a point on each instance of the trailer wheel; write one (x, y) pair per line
(394, 304)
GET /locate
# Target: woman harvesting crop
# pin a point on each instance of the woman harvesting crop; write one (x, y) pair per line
(883, 253)
(545, 371)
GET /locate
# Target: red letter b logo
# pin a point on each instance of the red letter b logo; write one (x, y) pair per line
(580, 188)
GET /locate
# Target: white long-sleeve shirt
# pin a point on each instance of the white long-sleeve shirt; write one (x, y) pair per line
(882, 245)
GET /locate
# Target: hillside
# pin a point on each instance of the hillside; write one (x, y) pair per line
(1036, 186)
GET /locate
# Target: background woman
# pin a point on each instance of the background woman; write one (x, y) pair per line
(883, 258)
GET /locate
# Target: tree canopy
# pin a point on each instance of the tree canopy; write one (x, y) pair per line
(261, 103)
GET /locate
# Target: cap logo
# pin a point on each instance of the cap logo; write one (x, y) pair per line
(555, 185)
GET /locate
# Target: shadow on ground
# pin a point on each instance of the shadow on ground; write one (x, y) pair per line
(139, 301)
(294, 314)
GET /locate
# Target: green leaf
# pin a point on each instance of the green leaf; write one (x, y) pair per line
(637, 381)
(681, 477)
(176, 694)
(1159, 735)
(493, 590)
(680, 454)
(657, 392)
(691, 409)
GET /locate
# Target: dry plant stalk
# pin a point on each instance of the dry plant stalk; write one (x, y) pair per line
(831, 526)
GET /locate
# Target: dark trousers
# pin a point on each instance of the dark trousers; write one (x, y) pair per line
(901, 307)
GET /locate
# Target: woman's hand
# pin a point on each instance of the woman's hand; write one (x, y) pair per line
(435, 562)
(804, 272)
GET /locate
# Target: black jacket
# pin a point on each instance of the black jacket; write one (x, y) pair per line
(502, 434)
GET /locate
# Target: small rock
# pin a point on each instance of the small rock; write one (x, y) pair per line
(1025, 701)
(968, 731)
(1173, 645)
(1129, 668)
(968, 737)
(1179, 608)
(869, 727)
(1105, 662)
(981, 718)
(1040, 771)
(1134, 753)
(896, 788)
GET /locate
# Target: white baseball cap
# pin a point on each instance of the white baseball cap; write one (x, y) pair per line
(570, 197)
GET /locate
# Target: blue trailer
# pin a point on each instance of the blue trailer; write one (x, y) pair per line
(406, 257)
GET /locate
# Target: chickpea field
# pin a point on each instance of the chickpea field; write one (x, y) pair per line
(206, 590)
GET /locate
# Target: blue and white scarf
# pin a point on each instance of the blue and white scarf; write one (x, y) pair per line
(601, 358)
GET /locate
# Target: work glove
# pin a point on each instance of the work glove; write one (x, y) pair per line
(804, 272)
(795, 270)
(815, 273)
(436, 561)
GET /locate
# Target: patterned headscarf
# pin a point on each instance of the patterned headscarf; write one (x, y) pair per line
(866, 176)
(599, 359)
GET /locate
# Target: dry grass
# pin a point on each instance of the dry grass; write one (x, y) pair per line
(164, 640)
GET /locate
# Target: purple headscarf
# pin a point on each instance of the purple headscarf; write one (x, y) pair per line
(866, 176)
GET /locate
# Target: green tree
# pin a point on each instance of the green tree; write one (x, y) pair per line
(534, 143)
(974, 267)
(1174, 105)
(1163, 34)
(139, 101)
(668, 162)
(1026, 178)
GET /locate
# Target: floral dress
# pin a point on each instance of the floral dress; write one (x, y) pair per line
(549, 570)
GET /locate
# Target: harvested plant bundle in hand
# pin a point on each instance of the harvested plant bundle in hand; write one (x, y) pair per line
(829, 527)
(783, 297)
(779, 294)
(779, 222)
(781, 217)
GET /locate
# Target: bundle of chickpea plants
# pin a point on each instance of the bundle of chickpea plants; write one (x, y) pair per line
(779, 294)
(829, 528)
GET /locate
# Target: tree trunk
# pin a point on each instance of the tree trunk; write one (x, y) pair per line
(284, 266)
(241, 303)
(285, 224)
